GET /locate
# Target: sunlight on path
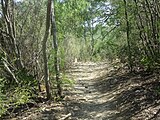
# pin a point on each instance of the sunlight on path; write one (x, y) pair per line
(105, 92)
(87, 102)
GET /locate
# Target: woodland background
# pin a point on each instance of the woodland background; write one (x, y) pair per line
(40, 39)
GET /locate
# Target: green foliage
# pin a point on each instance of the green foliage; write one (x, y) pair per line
(66, 81)
(21, 95)
(81, 26)
(158, 90)
(15, 97)
(146, 61)
(105, 49)
(25, 78)
(3, 108)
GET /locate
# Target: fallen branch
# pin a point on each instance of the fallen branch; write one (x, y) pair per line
(9, 71)
(65, 117)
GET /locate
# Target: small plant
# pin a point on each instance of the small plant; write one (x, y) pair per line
(14, 95)
(67, 82)
(3, 107)
(157, 90)
(21, 95)
(147, 62)
(3, 101)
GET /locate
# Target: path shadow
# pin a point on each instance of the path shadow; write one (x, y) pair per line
(136, 93)
(132, 95)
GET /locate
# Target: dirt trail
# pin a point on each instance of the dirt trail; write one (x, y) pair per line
(86, 100)
(103, 93)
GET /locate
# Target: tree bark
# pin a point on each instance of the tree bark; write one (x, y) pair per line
(55, 47)
(8, 14)
(128, 37)
(44, 49)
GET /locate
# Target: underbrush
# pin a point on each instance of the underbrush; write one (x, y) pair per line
(15, 93)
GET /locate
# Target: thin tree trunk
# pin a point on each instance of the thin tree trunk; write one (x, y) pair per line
(128, 37)
(8, 14)
(92, 38)
(55, 47)
(85, 34)
(44, 49)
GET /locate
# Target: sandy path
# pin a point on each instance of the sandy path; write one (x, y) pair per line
(87, 102)
(102, 93)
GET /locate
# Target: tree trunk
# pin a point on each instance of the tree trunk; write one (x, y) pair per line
(128, 37)
(44, 49)
(8, 14)
(55, 47)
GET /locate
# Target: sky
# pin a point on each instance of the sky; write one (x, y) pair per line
(18, 0)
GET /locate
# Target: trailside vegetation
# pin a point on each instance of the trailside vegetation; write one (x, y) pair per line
(40, 39)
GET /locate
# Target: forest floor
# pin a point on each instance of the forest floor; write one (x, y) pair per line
(103, 91)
